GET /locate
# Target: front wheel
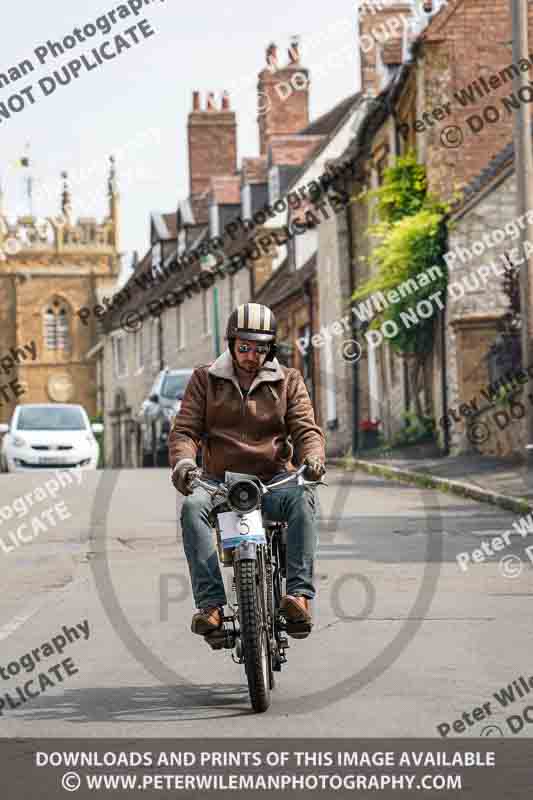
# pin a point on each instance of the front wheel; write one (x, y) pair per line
(254, 635)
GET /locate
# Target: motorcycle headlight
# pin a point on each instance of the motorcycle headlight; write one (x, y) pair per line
(18, 441)
(244, 496)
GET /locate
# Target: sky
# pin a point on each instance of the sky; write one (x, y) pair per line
(136, 105)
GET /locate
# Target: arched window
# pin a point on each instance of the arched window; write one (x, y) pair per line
(56, 326)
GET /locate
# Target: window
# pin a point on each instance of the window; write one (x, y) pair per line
(157, 258)
(273, 185)
(139, 350)
(182, 242)
(51, 418)
(381, 166)
(155, 342)
(206, 312)
(214, 228)
(246, 201)
(174, 385)
(56, 327)
(119, 356)
(180, 326)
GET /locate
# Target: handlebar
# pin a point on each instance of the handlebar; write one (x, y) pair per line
(222, 489)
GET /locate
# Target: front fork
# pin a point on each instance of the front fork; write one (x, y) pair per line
(228, 637)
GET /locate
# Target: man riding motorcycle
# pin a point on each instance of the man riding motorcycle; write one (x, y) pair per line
(245, 406)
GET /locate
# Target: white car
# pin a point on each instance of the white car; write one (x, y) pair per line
(49, 436)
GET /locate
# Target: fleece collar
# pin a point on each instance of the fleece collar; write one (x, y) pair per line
(223, 368)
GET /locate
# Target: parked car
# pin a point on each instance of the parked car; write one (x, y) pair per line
(49, 436)
(157, 412)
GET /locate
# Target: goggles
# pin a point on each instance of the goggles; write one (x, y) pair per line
(260, 349)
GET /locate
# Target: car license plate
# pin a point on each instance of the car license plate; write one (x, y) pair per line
(236, 528)
(51, 459)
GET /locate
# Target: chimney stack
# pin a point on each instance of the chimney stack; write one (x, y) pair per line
(283, 96)
(378, 21)
(212, 138)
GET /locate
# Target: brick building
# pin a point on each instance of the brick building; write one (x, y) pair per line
(436, 86)
(50, 270)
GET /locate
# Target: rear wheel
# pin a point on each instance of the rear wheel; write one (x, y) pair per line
(254, 634)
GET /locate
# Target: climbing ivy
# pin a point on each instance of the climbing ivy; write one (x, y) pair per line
(412, 238)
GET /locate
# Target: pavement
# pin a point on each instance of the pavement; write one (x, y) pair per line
(503, 482)
(405, 640)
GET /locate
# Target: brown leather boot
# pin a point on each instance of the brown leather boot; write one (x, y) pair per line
(299, 619)
(206, 620)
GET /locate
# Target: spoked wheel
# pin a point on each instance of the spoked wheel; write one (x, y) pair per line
(254, 635)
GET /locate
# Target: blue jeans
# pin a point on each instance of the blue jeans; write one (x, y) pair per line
(296, 505)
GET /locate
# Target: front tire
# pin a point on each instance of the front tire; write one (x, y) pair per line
(254, 637)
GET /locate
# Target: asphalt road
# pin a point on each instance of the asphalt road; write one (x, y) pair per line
(403, 639)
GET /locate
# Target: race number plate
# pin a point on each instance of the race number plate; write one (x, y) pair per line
(235, 528)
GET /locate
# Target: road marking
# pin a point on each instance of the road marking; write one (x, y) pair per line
(19, 620)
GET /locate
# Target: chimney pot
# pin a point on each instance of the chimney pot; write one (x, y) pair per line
(272, 57)
(211, 102)
(294, 50)
(225, 102)
(196, 101)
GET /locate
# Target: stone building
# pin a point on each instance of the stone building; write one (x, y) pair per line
(51, 269)
(484, 238)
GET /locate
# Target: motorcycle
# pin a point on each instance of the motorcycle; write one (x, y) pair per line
(255, 628)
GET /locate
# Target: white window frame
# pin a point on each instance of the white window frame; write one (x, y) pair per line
(139, 350)
(182, 242)
(246, 201)
(119, 346)
(157, 258)
(214, 220)
(180, 327)
(274, 190)
(154, 342)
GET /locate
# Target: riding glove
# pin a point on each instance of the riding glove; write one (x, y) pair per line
(315, 468)
(182, 477)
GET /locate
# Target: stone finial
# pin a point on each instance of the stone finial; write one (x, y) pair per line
(112, 178)
(66, 200)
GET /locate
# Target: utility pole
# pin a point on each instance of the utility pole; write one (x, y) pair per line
(523, 159)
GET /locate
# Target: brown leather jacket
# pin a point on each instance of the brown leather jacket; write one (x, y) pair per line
(248, 435)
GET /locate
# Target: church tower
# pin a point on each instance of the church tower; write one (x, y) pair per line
(50, 269)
